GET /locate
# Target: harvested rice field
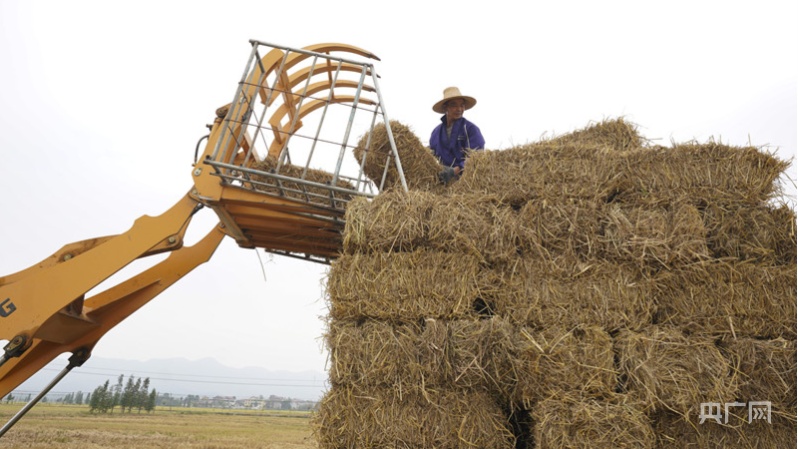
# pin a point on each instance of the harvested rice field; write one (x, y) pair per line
(72, 427)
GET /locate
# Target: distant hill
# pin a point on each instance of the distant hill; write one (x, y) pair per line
(180, 377)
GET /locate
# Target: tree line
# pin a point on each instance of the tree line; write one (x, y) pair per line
(134, 395)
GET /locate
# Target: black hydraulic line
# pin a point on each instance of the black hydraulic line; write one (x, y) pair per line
(196, 150)
(77, 359)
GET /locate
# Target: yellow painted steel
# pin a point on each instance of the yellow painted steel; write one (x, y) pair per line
(54, 286)
(295, 117)
(104, 310)
(277, 59)
(276, 147)
(319, 237)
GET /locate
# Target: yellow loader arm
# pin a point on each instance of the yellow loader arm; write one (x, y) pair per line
(45, 311)
(256, 173)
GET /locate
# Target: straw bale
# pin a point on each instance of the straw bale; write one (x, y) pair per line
(296, 190)
(653, 237)
(377, 353)
(381, 418)
(435, 352)
(569, 293)
(622, 171)
(576, 423)
(516, 364)
(555, 361)
(767, 370)
(674, 431)
(701, 174)
(403, 286)
(548, 170)
(616, 133)
(581, 164)
(665, 369)
(658, 237)
(482, 354)
(419, 165)
(762, 234)
(477, 225)
(392, 221)
(738, 299)
(466, 354)
(480, 225)
(568, 228)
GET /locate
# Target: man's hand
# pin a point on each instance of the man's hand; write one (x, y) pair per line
(446, 175)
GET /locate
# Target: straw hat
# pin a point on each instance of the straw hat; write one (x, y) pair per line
(450, 93)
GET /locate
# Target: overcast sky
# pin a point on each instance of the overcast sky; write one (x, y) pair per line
(102, 103)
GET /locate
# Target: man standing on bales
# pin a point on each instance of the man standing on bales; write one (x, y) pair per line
(455, 136)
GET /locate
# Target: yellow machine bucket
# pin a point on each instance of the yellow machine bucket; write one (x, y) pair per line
(278, 167)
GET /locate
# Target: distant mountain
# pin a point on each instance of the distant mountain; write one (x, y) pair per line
(180, 377)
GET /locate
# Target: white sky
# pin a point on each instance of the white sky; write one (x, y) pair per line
(102, 103)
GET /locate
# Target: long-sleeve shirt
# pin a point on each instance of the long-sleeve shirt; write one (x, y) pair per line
(451, 149)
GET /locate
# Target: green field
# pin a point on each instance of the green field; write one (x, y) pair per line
(72, 426)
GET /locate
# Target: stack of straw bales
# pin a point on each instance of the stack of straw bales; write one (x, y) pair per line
(585, 291)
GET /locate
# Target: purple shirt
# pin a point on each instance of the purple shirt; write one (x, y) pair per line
(451, 150)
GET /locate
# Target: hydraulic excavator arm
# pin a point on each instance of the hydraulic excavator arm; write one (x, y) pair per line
(44, 309)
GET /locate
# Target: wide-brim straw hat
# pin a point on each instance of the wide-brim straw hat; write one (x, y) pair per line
(450, 93)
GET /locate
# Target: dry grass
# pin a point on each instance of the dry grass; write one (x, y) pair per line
(617, 134)
(477, 225)
(298, 190)
(542, 171)
(732, 298)
(407, 287)
(762, 234)
(701, 174)
(555, 361)
(584, 164)
(378, 353)
(653, 237)
(675, 431)
(569, 293)
(696, 173)
(403, 286)
(482, 226)
(468, 355)
(664, 369)
(578, 423)
(386, 418)
(393, 221)
(518, 366)
(73, 427)
(766, 370)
